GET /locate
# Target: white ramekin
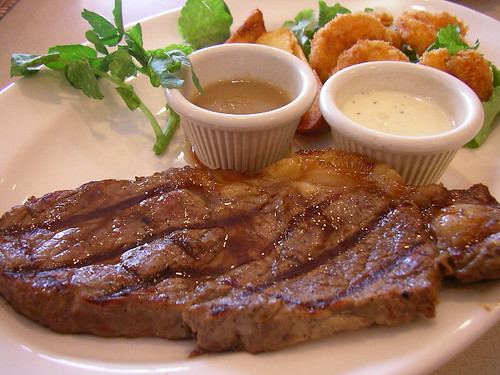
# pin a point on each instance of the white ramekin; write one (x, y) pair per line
(419, 159)
(243, 142)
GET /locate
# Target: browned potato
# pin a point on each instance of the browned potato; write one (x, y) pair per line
(312, 122)
(283, 39)
(250, 30)
(280, 38)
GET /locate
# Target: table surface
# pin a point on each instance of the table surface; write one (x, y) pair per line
(47, 18)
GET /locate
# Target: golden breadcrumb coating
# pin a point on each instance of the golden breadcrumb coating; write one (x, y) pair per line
(369, 50)
(419, 28)
(340, 34)
(469, 66)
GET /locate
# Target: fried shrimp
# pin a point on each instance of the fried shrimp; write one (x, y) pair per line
(385, 17)
(369, 50)
(437, 58)
(340, 34)
(469, 66)
(419, 28)
(387, 20)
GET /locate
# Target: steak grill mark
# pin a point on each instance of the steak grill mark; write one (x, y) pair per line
(243, 262)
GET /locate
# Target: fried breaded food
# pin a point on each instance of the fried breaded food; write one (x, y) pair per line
(250, 30)
(387, 20)
(383, 16)
(469, 66)
(437, 58)
(369, 50)
(340, 34)
(419, 28)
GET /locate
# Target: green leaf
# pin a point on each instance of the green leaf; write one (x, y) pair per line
(496, 75)
(135, 35)
(328, 13)
(106, 31)
(170, 80)
(184, 48)
(26, 64)
(162, 140)
(204, 22)
(93, 38)
(154, 60)
(71, 52)
(81, 76)
(164, 65)
(449, 37)
(410, 53)
(129, 96)
(133, 38)
(303, 26)
(120, 64)
(491, 109)
(118, 17)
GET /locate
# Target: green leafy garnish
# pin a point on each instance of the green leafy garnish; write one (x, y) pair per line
(491, 109)
(409, 52)
(168, 131)
(328, 13)
(72, 52)
(85, 66)
(304, 25)
(27, 64)
(205, 22)
(449, 37)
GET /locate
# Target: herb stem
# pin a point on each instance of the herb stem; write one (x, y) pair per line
(143, 107)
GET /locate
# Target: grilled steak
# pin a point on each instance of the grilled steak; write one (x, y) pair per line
(320, 242)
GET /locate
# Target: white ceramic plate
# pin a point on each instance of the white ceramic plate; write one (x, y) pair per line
(51, 137)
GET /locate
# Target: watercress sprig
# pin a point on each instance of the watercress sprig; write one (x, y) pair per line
(304, 25)
(117, 54)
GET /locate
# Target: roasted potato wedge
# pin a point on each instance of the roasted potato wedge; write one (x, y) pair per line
(283, 39)
(250, 30)
(312, 122)
(280, 38)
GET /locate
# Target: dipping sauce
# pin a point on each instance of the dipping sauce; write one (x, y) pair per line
(396, 112)
(241, 97)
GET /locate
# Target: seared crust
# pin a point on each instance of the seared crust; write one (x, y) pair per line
(320, 242)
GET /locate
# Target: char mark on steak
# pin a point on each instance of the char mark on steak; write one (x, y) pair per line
(318, 243)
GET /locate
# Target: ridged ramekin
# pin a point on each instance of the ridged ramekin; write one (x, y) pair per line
(243, 142)
(420, 160)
